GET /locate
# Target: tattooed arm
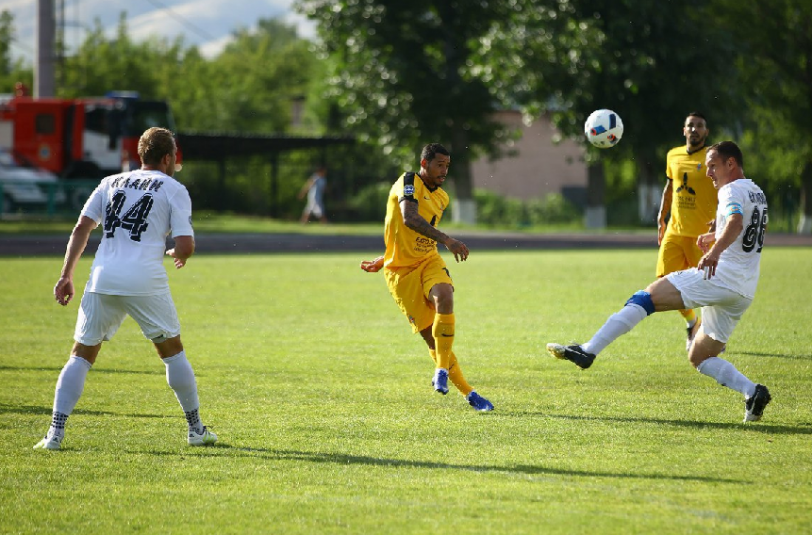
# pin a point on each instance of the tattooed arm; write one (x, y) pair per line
(417, 223)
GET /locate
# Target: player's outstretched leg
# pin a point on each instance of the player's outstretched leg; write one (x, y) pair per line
(637, 308)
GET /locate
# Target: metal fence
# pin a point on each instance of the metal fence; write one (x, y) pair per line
(50, 199)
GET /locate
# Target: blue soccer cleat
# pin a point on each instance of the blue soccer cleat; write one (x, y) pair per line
(478, 402)
(440, 381)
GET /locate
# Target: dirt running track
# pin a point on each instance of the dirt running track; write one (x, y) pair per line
(23, 246)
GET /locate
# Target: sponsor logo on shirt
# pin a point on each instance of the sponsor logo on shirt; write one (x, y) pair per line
(408, 190)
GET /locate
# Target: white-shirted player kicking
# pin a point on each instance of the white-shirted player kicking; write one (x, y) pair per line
(137, 210)
(723, 283)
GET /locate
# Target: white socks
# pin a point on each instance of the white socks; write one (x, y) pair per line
(181, 379)
(70, 384)
(727, 375)
(68, 390)
(617, 325)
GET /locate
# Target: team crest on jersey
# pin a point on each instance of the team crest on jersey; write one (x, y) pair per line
(408, 189)
(698, 166)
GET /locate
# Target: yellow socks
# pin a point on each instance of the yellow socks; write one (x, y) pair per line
(689, 315)
(443, 333)
(455, 374)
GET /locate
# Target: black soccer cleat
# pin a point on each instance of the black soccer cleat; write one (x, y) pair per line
(754, 405)
(573, 353)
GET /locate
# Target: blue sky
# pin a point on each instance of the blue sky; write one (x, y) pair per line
(205, 23)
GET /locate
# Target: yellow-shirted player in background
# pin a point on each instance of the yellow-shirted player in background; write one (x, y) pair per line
(415, 272)
(689, 205)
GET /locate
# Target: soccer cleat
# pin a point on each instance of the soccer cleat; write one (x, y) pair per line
(754, 405)
(573, 353)
(478, 402)
(49, 443)
(206, 438)
(440, 381)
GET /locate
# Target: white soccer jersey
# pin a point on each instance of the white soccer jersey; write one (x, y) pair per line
(739, 264)
(137, 210)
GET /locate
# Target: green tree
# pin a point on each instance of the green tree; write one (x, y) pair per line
(647, 60)
(261, 73)
(774, 43)
(11, 71)
(402, 75)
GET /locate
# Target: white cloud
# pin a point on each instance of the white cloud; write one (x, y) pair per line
(207, 24)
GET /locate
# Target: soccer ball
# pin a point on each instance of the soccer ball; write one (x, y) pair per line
(603, 128)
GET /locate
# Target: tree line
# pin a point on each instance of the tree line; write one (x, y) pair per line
(397, 74)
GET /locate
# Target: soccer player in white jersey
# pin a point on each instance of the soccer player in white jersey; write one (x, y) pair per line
(137, 209)
(723, 283)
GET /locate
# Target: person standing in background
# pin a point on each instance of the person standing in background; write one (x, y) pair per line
(314, 188)
(687, 207)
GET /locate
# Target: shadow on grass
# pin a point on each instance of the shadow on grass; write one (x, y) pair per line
(157, 371)
(5, 408)
(346, 459)
(751, 427)
(774, 355)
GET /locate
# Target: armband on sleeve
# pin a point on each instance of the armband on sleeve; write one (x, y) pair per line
(408, 188)
(733, 208)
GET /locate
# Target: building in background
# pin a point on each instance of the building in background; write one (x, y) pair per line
(537, 167)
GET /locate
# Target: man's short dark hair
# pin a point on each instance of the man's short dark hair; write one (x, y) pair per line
(728, 149)
(697, 114)
(431, 150)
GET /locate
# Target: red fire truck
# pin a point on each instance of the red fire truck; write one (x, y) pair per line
(81, 137)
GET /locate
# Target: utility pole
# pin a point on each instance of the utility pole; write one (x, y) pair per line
(45, 66)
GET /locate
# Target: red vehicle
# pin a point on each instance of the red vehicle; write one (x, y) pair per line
(82, 137)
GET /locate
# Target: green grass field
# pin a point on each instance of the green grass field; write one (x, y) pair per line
(320, 395)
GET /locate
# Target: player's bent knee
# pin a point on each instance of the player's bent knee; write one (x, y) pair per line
(643, 300)
(443, 295)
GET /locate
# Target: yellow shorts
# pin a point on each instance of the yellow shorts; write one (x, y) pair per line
(410, 288)
(677, 253)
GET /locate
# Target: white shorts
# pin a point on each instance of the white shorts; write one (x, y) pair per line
(721, 308)
(314, 208)
(100, 316)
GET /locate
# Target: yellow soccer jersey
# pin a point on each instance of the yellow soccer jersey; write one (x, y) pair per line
(405, 247)
(693, 201)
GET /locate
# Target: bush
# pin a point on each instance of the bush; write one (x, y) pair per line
(495, 210)
(369, 204)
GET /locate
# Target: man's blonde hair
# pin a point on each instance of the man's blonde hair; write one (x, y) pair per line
(154, 144)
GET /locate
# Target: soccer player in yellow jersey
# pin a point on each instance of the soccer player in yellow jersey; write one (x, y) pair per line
(689, 202)
(415, 272)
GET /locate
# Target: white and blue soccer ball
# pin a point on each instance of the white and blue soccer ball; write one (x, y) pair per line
(603, 128)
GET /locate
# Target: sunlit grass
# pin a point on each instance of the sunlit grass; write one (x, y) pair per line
(321, 397)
